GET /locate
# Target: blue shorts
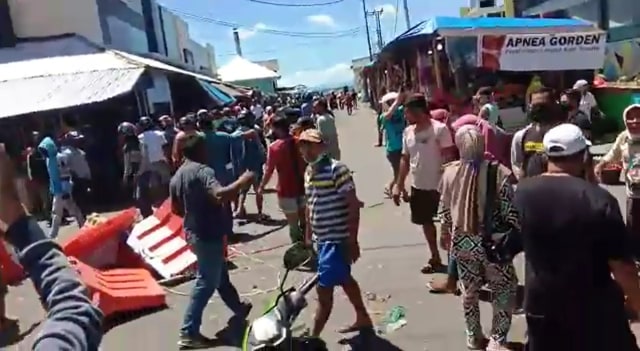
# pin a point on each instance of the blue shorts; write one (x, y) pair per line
(334, 268)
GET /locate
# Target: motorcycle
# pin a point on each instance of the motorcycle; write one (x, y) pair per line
(273, 330)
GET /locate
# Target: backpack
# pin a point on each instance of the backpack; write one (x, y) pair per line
(535, 160)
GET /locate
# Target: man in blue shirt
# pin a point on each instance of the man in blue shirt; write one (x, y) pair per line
(198, 197)
(251, 157)
(392, 122)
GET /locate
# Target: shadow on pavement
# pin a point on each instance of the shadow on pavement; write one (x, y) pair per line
(243, 238)
(232, 333)
(368, 340)
(13, 335)
(119, 319)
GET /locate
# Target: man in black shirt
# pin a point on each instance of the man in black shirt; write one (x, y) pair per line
(574, 240)
(570, 101)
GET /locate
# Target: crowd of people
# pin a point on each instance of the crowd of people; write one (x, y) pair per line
(537, 191)
(494, 195)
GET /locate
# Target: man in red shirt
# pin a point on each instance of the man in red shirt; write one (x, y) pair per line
(283, 157)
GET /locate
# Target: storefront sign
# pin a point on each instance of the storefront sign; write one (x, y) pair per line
(542, 52)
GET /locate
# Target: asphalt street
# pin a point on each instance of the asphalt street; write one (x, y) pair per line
(389, 273)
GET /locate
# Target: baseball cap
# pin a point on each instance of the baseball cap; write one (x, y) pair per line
(388, 97)
(311, 136)
(564, 140)
(580, 84)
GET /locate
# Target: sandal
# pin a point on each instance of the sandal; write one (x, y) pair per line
(387, 193)
(433, 266)
(7, 323)
(353, 328)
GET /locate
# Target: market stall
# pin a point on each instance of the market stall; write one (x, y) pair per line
(443, 56)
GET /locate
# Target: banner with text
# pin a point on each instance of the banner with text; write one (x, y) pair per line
(542, 52)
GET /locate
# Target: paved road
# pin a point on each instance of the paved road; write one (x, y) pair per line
(394, 251)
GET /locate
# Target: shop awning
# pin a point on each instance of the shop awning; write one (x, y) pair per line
(151, 63)
(66, 81)
(231, 91)
(217, 94)
(455, 26)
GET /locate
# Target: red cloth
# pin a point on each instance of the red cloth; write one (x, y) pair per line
(280, 157)
(497, 142)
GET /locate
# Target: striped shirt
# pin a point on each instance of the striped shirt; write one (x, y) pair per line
(326, 185)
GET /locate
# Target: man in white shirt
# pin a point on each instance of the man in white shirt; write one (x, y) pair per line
(426, 146)
(588, 102)
(257, 110)
(155, 171)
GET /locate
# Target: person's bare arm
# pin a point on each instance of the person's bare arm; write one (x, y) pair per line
(394, 107)
(221, 193)
(345, 185)
(616, 244)
(270, 168)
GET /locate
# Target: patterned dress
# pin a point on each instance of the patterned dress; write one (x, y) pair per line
(474, 270)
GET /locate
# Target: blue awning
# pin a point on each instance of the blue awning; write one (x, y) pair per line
(218, 95)
(456, 26)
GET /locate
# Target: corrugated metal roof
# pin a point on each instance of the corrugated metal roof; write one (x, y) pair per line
(59, 82)
(161, 65)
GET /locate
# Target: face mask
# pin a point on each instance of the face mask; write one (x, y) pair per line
(316, 161)
(543, 113)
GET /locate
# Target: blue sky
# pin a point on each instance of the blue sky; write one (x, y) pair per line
(302, 60)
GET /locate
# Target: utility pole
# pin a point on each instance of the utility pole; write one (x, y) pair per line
(406, 13)
(366, 24)
(377, 14)
(236, 40)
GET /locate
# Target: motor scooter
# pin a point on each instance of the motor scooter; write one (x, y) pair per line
(273, 330)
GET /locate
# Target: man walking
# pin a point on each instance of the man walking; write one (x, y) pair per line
(426, 146)
(575, 241)
(199, 198)
(333, 214)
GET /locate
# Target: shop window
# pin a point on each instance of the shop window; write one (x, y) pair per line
(623, 12)
(187, 56)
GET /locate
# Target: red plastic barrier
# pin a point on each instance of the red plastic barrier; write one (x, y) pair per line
(98, 245)
(120, 290)
(12, 272)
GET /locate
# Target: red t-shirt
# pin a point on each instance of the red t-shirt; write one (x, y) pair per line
(280, 156)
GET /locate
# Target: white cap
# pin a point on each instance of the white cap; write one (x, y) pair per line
(580, 84)
(389, 97)
(564, 140)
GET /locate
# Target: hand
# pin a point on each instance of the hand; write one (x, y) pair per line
(10, 207)
(396, 192)
(354, 251)
(445, 241)
(308, 242)
(260, 190)
(597, 170)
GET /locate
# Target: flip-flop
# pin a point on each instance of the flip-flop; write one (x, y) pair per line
(7, 323)
(353, 328)
(432, 267)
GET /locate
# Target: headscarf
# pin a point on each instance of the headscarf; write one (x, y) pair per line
(625, 113)
(463, 184)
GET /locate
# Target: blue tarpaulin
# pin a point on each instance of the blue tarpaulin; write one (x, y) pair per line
(221, 97)
(461, 27)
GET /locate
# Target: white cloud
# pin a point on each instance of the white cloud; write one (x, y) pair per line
(338, 74)
(388, 10)
(246, 33)
(323, 20)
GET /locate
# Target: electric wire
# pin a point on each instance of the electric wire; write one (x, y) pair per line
(206, 19)
(395, 20)
(316, 4)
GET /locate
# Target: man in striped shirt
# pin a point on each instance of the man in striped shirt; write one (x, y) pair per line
(333, 217)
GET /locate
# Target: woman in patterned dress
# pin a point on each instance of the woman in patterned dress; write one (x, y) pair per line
(463, 190)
